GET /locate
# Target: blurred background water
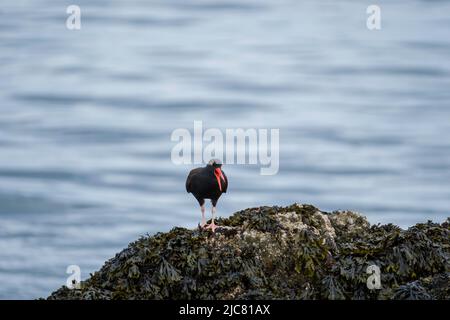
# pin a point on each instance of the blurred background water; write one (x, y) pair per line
(86, 118)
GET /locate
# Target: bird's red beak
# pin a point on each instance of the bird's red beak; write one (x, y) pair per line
(219, 176)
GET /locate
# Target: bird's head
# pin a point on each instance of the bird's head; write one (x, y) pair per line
(216, 163)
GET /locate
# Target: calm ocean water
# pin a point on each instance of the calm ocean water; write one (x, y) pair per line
(86, 118)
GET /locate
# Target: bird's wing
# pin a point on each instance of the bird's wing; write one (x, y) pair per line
(189, 178)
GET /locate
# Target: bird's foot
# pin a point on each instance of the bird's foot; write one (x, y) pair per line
(203, 224)
(212, 226)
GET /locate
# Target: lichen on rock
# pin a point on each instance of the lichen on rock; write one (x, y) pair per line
(294, 252)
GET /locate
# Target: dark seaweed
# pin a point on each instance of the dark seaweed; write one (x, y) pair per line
(295, 252)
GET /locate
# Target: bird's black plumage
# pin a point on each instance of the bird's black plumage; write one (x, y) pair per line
(204, 183)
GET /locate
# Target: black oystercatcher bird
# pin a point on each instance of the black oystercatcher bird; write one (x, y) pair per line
(207, 183)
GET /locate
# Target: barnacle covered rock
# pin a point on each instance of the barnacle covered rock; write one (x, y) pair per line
(294, 252)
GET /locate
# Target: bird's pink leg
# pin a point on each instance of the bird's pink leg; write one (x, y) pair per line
(203, 223)
(212, 225)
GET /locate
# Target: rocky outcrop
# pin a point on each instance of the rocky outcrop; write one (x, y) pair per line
(294, 252)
